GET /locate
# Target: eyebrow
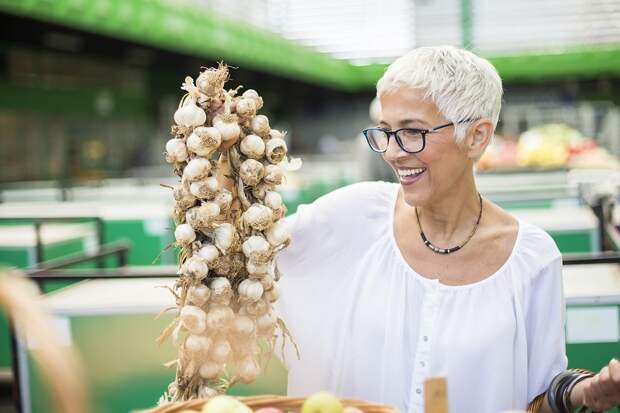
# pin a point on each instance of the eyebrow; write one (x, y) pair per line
(407, 122)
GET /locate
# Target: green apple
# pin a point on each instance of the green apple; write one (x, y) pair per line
(322, 402)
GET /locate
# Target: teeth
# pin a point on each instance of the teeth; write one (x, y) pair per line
(407, 172)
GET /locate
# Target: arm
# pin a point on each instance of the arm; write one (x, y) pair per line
(598, 393)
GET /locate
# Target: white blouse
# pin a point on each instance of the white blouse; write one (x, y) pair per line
(371, 328)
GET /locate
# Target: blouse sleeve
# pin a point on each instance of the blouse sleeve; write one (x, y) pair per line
(545, 328)
(319, 230)
(304, 226)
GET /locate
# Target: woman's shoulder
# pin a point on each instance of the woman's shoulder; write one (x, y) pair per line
(534, 249)
(342, 208)
(537, 241)
(537, 256)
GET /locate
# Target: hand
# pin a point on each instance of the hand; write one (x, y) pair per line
(602, 391)
(223, 170)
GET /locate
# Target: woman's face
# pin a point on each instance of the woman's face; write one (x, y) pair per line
(441, 167)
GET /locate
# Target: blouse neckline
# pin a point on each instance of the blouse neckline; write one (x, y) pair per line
(434, 282)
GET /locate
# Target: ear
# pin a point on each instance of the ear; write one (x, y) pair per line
(478, 137)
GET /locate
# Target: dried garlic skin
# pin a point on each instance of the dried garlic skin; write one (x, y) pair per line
(229, 227)
(251, 172)
(189, 114)
(260, 126)
(204, 141)
(253, 147)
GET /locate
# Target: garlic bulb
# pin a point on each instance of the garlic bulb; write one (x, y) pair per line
(195, 267)
(184, 234)
(196, 169)
(224, 236)
(211, 81)
(258, 217)
(246, 348)
(224, 199)
(252, 94)
(272, 294)
(198, 294)
(219, 318)
(273, 200)
(257, 249)
(256, 269)
(273, 175)
(257, 308)
(267, 321)
(246, 108)
(276, 150)
(183, 197)
(202, 216)
(248, 370)
(204, 189)
(260, 126)
(267, 281)
(204, 141)
(278, 234)
(209, 393)
(210, 370)
(276, 134)
(251, 172)
(260, 190)
(208, 252)
(229, 129)
(243, 326)
(193, 319)
(190, 114)
(221, 290)
(176, 151)
(250, 289)
(220, 350)
(197, 344)
(252, 146)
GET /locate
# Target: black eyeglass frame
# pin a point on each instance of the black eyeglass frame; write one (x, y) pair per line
(422, 132)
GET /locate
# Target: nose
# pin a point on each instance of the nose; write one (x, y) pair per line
(394, 151)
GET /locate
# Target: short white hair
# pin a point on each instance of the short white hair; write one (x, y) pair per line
(461, 84)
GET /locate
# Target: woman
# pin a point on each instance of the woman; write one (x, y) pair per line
(387, 284)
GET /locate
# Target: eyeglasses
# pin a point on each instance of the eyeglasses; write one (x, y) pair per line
(410, 140)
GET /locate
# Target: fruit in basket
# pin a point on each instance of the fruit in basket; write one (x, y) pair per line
(322, 402)
(225, 404)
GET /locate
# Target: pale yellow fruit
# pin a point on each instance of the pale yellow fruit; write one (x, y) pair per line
(322, 402)
(224, 404)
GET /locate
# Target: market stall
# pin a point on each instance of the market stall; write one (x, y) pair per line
(112, 324)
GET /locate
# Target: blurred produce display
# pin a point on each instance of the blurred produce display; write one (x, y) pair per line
(550, 146)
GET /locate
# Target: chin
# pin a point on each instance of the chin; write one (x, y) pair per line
(414, 197)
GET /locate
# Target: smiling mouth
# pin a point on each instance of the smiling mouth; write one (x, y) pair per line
(408, 176)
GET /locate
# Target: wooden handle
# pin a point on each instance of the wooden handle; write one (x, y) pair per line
(435, 395)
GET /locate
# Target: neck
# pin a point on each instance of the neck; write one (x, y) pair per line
(449, 218)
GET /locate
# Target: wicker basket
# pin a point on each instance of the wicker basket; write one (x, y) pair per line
(283, 403)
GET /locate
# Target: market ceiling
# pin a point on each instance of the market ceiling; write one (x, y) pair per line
(198, 32)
